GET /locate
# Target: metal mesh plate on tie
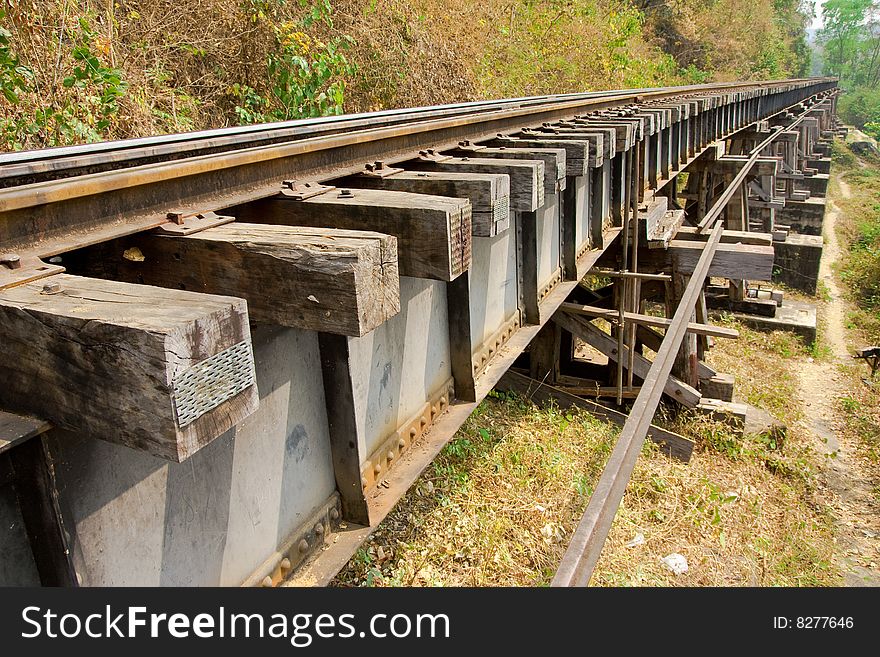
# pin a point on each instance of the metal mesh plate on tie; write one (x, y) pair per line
(500, 208)
(208, 384)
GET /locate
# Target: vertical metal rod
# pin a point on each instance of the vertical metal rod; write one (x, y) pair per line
(623, 285)
(621, 309)
(637, 283)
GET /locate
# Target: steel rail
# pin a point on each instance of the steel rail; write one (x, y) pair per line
(63, 162)
(49, 218)
(68, 160)
(55, 163)
(583, 552)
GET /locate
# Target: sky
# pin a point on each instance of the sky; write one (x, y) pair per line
(817, 20)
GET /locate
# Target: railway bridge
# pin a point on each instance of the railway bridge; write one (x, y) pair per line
(226, 355)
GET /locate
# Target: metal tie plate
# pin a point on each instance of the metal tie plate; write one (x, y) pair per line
(206, 385)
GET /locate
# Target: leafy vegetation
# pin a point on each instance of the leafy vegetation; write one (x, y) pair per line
(83, 70)
(860, 233)
(850, 39)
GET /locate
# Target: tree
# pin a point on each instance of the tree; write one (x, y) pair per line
(843, 34)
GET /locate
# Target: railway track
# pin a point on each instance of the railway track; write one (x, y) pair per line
(244, 345)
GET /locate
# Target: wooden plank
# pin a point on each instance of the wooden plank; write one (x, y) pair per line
(460, 341)
(601, 391)
(599, 147)
(15, 429)
(627, 129)
(37, 492)
(704, 342)
(649, 320)
(652, 340)
(489, 193)
(666, 229)
(677, 390)
(673, 444)
(131, 364)
(607, 135)
(526, 176)
(527, 247)
(577, 152)
(738, 261)
(343, 426)
(651, 216)
(691, 233)
(320, 279)
(553, 159)
(433, 232)
(544, 353)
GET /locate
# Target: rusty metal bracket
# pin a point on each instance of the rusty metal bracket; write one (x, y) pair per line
(187, 223)
(309, 537)
(469, 146)
(431, 155)
(17, 270)
(300, 191)
(871, 355)
(376, 467)
(378, 170)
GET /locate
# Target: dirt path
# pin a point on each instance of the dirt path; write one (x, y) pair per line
(821, 384)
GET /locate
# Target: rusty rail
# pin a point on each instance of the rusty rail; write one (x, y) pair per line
(583, 552)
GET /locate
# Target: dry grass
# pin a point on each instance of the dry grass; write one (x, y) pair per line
(763, 365)
(496, 507)
(738, 519)
(743, 512)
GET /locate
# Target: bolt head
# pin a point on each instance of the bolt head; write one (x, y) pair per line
(11, 260)
(303, 545)
(51, 288)
(267, 581)
(334, 514)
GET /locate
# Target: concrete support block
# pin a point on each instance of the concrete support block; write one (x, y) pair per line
(719, 386)
(797, 261)
(803, 217)
(820, 164)
(816, 184)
